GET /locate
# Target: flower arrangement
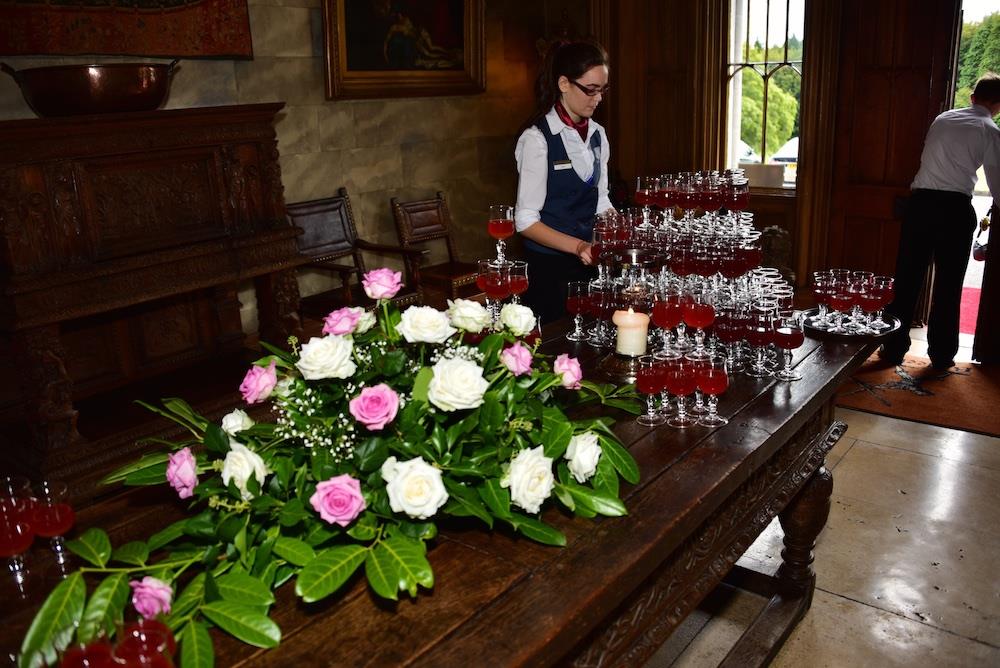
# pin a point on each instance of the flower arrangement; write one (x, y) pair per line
(383, 426)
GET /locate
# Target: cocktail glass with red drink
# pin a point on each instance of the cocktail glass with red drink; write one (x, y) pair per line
(649, 381)
(680, 381)
(884, 288)
(713, 380)
(518, 279)
(760, 334)
(500, 226)
(145, 646)
(698, 313)
(788, 336)
(822, 288)
(52, 516)
(577, 296)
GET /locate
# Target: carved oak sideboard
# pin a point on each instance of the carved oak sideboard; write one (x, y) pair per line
(123, 239)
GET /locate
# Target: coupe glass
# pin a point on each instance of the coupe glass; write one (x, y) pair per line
(884, 287)
(501, 226)
(681, 382)
(713, 380)
(788, 336)
(53, 516)
(577, 295)
(698, 313)
(493, 279)
(518, 279)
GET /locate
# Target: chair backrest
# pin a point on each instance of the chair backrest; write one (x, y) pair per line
(424, 220)
(328, 228)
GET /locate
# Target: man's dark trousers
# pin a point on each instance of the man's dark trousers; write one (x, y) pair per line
(938, 227)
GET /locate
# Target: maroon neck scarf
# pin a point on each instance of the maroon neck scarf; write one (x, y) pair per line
(580, 126)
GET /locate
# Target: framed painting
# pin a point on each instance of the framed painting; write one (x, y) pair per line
(403, 48)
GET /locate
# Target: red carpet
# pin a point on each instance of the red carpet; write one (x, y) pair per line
(970, 309)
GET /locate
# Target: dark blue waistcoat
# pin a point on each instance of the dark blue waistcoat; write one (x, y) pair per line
(570, 202)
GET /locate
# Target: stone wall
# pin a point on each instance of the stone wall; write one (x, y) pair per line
(407, 148)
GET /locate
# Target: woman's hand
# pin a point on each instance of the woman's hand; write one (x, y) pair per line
(583, 252)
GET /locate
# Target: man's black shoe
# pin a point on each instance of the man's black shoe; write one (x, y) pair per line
(942, 365)
(892, 358)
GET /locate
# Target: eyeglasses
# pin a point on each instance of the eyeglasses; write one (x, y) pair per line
(591, 92)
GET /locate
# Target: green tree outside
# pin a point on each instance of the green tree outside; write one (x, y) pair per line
(783, 95)
(978, 53)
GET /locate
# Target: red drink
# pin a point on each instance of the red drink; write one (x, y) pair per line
(576, 304)
(698, 315)
(841, 301)
(481, 282)
(739, 201)
(870, 302)
(788, 338)
(95, 655)
(596, 249)
(500, 228)
(648, 380)
(642, 198)
(51, 521)
(15, 538)
(728, 329)
(518, 285)
(713, 381)
(731, 266)
(680, 381)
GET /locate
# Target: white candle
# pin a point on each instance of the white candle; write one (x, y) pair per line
(632, 330)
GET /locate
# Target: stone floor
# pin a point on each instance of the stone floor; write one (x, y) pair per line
(906, 567)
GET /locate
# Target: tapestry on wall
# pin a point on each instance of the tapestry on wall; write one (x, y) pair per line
(185, 28)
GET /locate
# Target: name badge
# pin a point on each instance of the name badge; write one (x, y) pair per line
(562, 164)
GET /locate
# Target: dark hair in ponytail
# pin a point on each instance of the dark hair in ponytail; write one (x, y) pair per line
(564, 59)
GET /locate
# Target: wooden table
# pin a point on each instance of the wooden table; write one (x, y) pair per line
(619, 588)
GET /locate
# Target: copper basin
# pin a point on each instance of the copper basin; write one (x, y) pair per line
(73, 90)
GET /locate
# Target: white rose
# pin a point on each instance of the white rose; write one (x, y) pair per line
(415, 487)
(530, 479)
(365, 322)
(327, 357)
(468, 315)
(583, 453)
(424, 324)
(517, 318)
(236, 421)
(240, 463)
(457, 384)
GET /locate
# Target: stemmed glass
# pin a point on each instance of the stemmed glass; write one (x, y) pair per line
(493, 279)
(145, 646)
(500, 227)
(788, 336)
(577, 296)
(680, 381)
(649, 381)
(884, 287)
(16, 532)
(760, 334)
(518, 279)
(822, 286)
(698, 313)
(53, 516)
(601, 245)
(712, 381)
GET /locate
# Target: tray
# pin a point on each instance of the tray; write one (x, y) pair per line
(823, 334)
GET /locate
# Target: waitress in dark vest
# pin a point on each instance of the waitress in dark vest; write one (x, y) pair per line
(562, 162)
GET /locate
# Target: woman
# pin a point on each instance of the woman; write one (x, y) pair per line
(562, 162)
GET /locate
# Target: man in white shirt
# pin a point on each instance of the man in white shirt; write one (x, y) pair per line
(940, 220)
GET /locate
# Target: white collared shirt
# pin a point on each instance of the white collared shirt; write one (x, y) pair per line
(958, 142)
(532, 155)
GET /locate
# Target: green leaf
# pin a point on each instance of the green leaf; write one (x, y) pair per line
(134, 553)
(151, 459)
(104, 608)
(190, 598)
(365, 527)
(398, 564)
(370, 454)
(536, 530)
(619, 457)
(292, 513)
(243, 623)
(93, 545)
(196, 646)
(464, 502)
(491, 414)
(605, 478)
(421, 383)
(202, 525)
(168, 535)
(497, 498)
(294, 551)
(216, 440)
(328, 571)
(183, 410)
(53, 626)
(231, 526)
(282, 355)
(418, 530)
(282, 471)
(592, 500)
(555, 438)
(151, 475)
(490, 347)
(239, 587)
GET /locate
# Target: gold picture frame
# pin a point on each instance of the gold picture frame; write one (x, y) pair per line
(403, 48)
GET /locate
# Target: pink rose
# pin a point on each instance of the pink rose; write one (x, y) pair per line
(517, 358)
(375, 406)
(338, 500)
(342, 321)
(151, 596)
(182, 472)
(258, 383)
(382, 283)
(570, 369)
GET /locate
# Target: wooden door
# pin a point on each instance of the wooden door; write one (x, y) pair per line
(894, 78)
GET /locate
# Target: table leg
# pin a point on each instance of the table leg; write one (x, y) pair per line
(802, 520)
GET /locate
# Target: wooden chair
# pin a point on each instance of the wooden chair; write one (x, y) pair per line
(330, 240)
(427, 220)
